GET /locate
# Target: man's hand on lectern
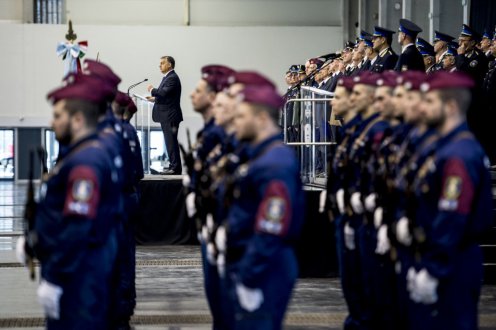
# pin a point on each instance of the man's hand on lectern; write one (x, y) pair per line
(149, 88)
(150, 98)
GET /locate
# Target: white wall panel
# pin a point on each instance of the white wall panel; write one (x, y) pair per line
(30, 67)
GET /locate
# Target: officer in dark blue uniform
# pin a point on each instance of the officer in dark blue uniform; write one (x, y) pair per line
(338, 211)
(470, 59)
(387, 58)
(265, 217)
(485, 45)
(289, 111)
(441, 41)
(201, 201)
(473, 62)
(453, 191)
(111, 135)
(428, 54)
(133, 170)
(76, 217)
(489, 84)
(410, 58)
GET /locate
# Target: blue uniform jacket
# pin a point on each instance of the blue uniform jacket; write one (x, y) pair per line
(454, 200)
(267, 212)
(76, 210)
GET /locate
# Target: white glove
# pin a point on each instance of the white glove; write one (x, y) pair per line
(21, 250)
(424, 288)
(340, 200)
(49, 298)
(186, 181)
(210, 223)
(249, 299)
(402, 232)
(322, 201)
(221, 239)
(370, 202)
(190, 204)
(349, 237)
(221, 264)
(211, 253)
(204, 234)
(410, 279)
(378, 217)
(383, 244)
(356, 203)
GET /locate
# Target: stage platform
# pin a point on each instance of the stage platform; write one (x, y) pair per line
(163, 221)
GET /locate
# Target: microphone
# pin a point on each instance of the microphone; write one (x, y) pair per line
(134, 85)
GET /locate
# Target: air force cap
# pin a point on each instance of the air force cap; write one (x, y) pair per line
(409, 28)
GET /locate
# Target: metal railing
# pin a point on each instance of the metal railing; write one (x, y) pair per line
(307, 126)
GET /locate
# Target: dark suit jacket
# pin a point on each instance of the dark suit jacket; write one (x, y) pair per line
(327, 85)
(410, 59)
(167, 95)
(385, 62)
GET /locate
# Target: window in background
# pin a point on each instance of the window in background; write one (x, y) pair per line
(48, 11)
(7, 154)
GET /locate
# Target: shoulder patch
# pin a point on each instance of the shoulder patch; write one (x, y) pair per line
(457, 188)
(83, 193)
(274, 212)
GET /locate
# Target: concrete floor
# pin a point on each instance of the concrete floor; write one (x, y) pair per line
(169, 286)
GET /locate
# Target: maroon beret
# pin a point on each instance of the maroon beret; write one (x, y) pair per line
(78, 86)
(387, 78)
(107, 88)
(366, 78)
(445, 80)
(122, 99)
(316, 61)
(102, 71)
(217, 76)
(250, 78)
(131, 107)
(264, 95)
(346, 82)
(412, 79)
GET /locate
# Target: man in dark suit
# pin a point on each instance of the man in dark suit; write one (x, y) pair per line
(410, 58)
(167, 111)
(387, 58)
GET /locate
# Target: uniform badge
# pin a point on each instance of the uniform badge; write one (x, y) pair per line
(473, 64)
(81, 190)
(275, 209)
(451, 192)
(83, 193)
(452, 188)
(274, 212)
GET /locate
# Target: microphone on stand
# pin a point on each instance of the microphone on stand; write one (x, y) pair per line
(134, 85)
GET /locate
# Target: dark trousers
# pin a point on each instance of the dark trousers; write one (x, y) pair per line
(170, 136)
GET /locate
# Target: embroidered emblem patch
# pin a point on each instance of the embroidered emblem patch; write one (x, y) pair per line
(274, 213)
(452, 188)
(473, 64)
(275, 209)
(81, 190)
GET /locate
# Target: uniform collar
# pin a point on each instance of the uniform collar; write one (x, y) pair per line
(448, 137)
(383, 52)
(405, 47)
(73, 146)
(259, 148)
